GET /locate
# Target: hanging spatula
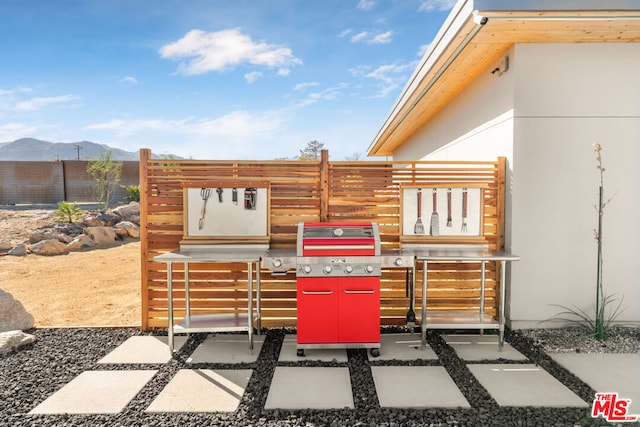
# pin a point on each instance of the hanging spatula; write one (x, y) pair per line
(449, 219)
(435, 219)
(419, 227)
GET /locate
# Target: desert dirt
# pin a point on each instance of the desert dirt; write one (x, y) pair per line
(99, 287)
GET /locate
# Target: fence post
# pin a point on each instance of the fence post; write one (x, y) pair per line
(324, 185)
(145, 155)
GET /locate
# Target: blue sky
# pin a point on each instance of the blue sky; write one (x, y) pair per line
(209, 79)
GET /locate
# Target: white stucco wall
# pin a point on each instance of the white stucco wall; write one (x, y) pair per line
(544, 114)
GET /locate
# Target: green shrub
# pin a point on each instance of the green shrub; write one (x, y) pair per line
(68, 212)
(133, 193)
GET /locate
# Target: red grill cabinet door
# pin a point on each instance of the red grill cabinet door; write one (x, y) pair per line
(317, 310)
(359, 310)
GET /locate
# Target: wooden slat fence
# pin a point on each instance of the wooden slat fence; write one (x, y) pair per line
(308, 191)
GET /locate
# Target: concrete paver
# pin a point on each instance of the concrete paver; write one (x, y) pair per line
(481, 347)
(288, 352)
(96, 392)
(416, 387)
(310, 388)
(524, 385)
(607, 373)
(143, 349)
(206, 390)
(402, 347)
(226, 349)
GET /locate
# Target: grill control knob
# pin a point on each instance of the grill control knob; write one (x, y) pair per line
(398, 262)
(327, 269)
(306, 269)
(348, 269)
(369, 268)
(277, 262)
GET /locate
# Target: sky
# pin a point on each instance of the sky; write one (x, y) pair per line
(210, 79)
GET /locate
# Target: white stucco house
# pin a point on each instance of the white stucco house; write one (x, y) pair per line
(539, 82)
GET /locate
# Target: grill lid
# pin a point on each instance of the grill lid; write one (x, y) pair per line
(338, 238)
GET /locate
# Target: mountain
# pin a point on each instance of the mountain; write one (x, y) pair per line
(35, 149)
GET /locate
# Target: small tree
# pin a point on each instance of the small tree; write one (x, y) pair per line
(106, 174)
(67, 212)
(311, 151)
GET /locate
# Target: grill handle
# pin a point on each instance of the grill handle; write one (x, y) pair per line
(317, 292)
(367, 291)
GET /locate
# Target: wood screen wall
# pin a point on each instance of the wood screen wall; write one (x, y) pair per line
(308, 191)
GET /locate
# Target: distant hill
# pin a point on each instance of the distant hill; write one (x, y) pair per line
(36, 150)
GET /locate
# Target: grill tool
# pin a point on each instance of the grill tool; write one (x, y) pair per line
(250, 195)
(464, 210)
(449, 220)
(411, 314)
(419, 227)
(205, 193)
(219, 191)
(234, 196)
(435, 219)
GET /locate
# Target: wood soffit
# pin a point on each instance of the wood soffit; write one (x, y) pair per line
(502, 30)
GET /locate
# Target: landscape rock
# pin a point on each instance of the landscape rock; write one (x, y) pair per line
(48, 234)
(48, 247)
(69, 229)
(130, 212)
(5, 246)
(107, 218)
(81, 242)
(11, 340)
(13, 315)
(91, 221)
(20, 250)
(133, 230)
(101, 235)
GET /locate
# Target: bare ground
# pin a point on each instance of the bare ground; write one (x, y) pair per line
(100, 287)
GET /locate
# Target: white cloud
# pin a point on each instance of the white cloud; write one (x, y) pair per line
(423, 49)
(12, 131)
(252, 76)
(388, 77)
(438, 5)
(129, 80)
(38, 103)
(366, 4)
(303, 86)
(372, 38)
(345, 33)
(221, 50)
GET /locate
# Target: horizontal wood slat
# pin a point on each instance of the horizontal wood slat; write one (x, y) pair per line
(354, 191)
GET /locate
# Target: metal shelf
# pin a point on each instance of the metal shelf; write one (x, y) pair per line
(214, 323)
(460, 319)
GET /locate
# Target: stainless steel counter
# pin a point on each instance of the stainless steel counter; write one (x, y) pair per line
(214, 322)
(454, 319)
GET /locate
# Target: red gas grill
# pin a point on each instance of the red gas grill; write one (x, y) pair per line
(338, 286)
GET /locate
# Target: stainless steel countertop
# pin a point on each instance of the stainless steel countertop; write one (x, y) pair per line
(460, 255)
(234, 254)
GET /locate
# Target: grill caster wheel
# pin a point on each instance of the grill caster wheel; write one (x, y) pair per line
(375, 352)
(300, 352)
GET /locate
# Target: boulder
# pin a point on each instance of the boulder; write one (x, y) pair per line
(132, 229)
(130, 212)
(48, 247)
(91, 221)
(81, 242)
(101, 235)
(48, 234)
(69, 229)
(20, 250)
(107, 218)
(11, 340)
(5, 247)
(12, 314)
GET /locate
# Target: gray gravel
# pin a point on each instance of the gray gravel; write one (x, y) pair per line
(621, 339)
(35, 372)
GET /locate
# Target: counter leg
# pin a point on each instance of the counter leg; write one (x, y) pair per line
(187, 303)
(170, 306)
(501, 318)
(258, 302)
(250, 304)
(423, 319)
(482, 288)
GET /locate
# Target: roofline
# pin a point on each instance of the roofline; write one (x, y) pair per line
(460, 16)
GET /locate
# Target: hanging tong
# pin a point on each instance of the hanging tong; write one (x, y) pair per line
(234, 195)
(219, 191)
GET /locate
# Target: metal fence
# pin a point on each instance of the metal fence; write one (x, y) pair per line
(26, 182)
